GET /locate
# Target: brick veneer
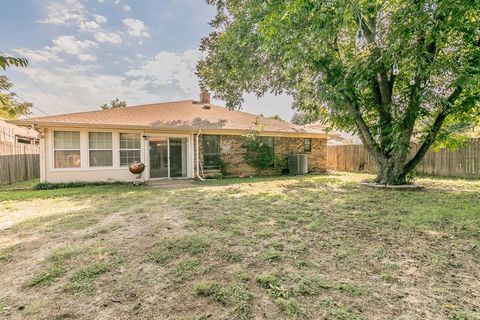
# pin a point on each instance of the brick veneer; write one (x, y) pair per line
(233, 155)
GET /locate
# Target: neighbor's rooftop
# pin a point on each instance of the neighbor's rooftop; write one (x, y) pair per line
(179, 115)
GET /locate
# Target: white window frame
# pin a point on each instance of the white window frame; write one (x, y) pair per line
(120, 149)
(90, 149)
(55, 149)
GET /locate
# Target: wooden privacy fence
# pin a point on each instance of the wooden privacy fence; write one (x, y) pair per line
(463, 162)
(18, 162)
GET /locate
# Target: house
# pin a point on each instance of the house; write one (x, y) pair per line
(16, 134)
(335, 137)
(183, 139)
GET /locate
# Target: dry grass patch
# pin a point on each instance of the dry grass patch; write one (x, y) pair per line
(272, 248)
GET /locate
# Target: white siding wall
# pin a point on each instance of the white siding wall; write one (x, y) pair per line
(85, 173)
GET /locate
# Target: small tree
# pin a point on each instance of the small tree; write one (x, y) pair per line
(10, 108)
(258, 154)
(115, 103)
(277, 117)
(392, 70)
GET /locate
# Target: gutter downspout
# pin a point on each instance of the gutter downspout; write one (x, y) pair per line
(198, 158)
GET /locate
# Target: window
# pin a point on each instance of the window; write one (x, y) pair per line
(211, 152)
(129, 148)
(307, 145)
(66, 149)
(100, 149)
(267, 140)
(24, 140)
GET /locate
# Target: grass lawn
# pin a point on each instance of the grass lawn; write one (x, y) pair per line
(314, 247)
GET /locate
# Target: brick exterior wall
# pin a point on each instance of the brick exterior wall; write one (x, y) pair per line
(233, 155)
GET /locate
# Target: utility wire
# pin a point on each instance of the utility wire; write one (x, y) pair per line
(33, 105)
(31, 79)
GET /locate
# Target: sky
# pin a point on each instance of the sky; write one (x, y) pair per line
(84, 53)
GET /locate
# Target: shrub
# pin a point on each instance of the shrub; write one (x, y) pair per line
(258, 154)
(78, 184)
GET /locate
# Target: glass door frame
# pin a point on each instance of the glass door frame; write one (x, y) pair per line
(153, 137)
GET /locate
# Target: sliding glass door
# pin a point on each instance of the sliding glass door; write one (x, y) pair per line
(168, 157)
(159, 158)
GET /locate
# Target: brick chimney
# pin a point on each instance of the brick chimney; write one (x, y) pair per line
(205, 97)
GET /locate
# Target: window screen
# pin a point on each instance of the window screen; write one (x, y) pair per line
(66, 149)
(100, 149)
(307, 145)
(211, 152)
(129, 148)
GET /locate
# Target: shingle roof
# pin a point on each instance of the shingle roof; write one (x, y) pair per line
(179, 115)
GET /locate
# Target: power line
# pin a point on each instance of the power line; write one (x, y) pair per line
(33, 81)
(33, 105)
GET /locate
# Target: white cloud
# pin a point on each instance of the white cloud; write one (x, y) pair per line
(89, 26)
(64, 12)
(100, 19)
(42, 55)
(136, 28)
(109, 37)
(167, 76)
(61, 45)
(100, 1)
(72, 46)
(126, 7)
(170, 69)
(86, 57)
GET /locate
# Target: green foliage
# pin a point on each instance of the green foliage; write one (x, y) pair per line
(114, 104)
(303, 118)
(50, 275)
(63, 185)
(82, 281)
(185, 269)
(268, 279)
(258, 154)
(10, 108)
(222, 167)
(388, 70)
(6, 61)
(167, 249)
(235, 295)
(206, 288)
(289, 306)
(6, 254)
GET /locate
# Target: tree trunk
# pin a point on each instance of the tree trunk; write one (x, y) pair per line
(392, 172)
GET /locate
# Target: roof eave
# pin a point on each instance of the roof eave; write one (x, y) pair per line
(46, 124)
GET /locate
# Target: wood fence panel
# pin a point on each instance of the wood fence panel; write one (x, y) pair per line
(18, 162)
(463, 162)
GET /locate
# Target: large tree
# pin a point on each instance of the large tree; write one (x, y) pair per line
(389, 69)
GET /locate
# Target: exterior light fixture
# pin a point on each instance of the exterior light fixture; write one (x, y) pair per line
(395, 69)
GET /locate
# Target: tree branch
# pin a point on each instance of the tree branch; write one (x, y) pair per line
(430, 137)
(365, 134)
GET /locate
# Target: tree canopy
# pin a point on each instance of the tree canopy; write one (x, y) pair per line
(389, 69)
(302, 118)
(115, 103)
(10, 108)
(6, 61)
